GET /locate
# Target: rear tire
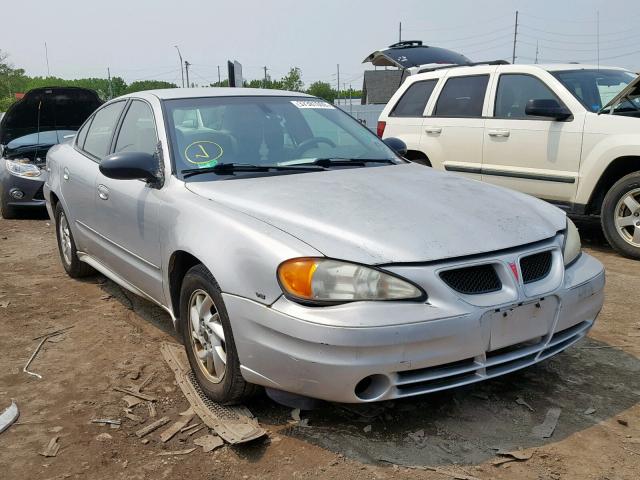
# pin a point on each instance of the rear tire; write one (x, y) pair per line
(7, 211)
(67, 247)
(208, 339)
(620, 216)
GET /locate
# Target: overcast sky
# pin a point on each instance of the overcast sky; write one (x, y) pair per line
(136, 38)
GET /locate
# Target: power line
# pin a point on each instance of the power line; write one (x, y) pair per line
(565, 34)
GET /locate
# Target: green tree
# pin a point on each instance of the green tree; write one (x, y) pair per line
(148, 85)
(292, 80)
(322, 90)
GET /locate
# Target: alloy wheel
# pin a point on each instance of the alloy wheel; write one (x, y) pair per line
(627, 217)
(65, 239)
(207, 336)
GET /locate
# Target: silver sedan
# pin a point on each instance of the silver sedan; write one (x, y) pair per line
(295, 250)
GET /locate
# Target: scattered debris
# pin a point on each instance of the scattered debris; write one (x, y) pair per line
(144, 441)
(107, 296)
(523, 402)
(33, 355)
(233, 424)
(9, 416)
(188, 433)
(507, 457)
(546, 428)
(177, 452)
(132, 416)
(367, 429)
(190, 427)
(5, 303)
(152, 410)
(131, 401)
(208, 442)
(106, 421)
(152, 426)
(589, 411)
(54, 333)
(133, 393)
(622, 422)
(441, 471)
(51, 450)
(175, 428)
(103, 437)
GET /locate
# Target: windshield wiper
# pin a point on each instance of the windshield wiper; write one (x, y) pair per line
(340, 162)
(231, 168)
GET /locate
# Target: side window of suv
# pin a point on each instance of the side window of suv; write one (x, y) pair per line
(515, 90)
(462, 97)
(414, 100)
(138, 130)
(101, 129)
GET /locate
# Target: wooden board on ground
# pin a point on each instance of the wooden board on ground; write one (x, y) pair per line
(233, 424)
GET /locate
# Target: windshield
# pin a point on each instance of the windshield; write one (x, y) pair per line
(594, 88)
(263, 130)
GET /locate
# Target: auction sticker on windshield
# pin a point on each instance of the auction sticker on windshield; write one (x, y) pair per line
(311, 104)
(203, 153)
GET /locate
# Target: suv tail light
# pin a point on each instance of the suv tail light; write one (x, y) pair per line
(380, 129)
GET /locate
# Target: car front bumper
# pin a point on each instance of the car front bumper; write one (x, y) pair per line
(330, 353)
(19, 191)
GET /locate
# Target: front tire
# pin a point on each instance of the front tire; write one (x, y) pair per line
(67, 247)
(208, 339)
(7, 211)
(620, 216)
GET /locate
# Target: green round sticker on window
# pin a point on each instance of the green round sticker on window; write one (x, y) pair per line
(203, 153)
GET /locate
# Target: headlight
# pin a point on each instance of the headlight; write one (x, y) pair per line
(22, 168)
(331, 281)
(572, 246)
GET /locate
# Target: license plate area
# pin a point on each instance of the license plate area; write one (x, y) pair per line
(521, 322)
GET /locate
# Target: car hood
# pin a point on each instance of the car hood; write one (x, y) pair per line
(45, 109)
(389, 214)
(631, 89)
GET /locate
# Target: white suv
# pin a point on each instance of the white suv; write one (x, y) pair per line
(563, 133)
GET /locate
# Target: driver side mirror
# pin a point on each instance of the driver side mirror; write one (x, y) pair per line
(547, 107)
(396, 145)
(131, 166)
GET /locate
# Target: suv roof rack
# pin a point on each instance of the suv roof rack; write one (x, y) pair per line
(406, 43)
(473, 64)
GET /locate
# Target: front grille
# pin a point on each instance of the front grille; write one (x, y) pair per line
(473, 280)
(535, 267)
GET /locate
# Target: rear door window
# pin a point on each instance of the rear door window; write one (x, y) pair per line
(515, 90)
(414, 100)
(462, 97)
(101, 130)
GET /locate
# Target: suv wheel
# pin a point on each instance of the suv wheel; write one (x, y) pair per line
(208, 339)
(67, 247)
(620, 216)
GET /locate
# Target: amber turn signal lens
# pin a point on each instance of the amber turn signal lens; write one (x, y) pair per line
(295, 276)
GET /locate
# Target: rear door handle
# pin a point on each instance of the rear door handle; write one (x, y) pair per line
(433, 130)
(499, 133)
(65, 173)
(103, 192)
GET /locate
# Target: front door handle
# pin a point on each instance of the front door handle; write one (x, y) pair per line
(433, 130)
(65, 173)
(103, 192)
(499, 133)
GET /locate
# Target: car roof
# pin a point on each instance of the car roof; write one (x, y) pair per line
(175, 93)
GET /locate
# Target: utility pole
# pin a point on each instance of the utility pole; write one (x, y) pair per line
(350, 102)
(400, 32)
(219, 75)
(186, 69)
(515, 39)
(264, 83)
(338, 84)
(598, 35)
(46, 55)
(537, 50)
(181, 71)
(110, 87)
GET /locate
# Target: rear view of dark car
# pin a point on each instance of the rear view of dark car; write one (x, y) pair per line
(32, 125)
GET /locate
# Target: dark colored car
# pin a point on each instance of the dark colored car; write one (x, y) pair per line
(42, 118)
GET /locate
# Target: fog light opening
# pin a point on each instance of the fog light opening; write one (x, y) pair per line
(17, 194)
(372, 387)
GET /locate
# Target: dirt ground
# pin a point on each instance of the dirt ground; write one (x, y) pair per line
(457, 434)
